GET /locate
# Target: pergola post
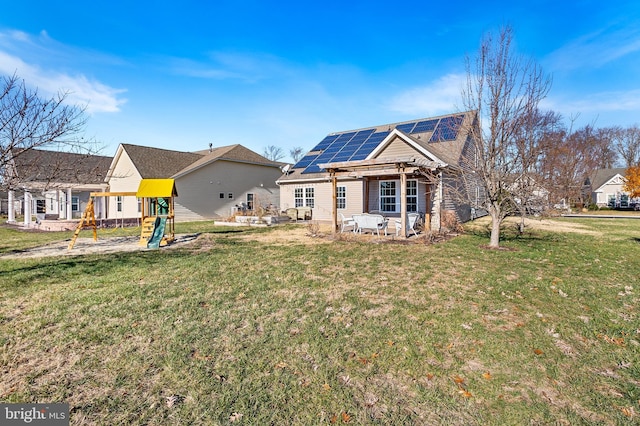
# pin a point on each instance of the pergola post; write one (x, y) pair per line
(403, 203)
(334, 197)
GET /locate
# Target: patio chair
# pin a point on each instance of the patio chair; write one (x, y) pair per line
(347, 223)
(292, 213)
(412, 221)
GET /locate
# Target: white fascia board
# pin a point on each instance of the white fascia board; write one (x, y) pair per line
(396, 133)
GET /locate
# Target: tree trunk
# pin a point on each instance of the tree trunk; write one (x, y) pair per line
(495, 228)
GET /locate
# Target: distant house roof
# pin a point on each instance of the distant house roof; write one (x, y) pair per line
(602, 176)
(36, 165)
(442, 138)
(157, 163)
(235, 152)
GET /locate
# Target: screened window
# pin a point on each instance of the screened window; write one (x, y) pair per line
(75, 204)
(341, 197)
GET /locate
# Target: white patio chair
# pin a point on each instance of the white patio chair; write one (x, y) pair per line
(347, 223)
(412, 220)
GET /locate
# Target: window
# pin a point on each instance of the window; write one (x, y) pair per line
(388, 196)
(309, 197)
(52, 204)
(41, 206)
(139, 205)
(230, 195)
(412, 195)
(221, 195)
(118, 203)
(249, 201)
(75, 204)
(304, 197)
(341, 197)
(298, 197)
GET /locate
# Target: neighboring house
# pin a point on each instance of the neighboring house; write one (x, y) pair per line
(604, 188)
(53, 184)
(367, 170)
(211, 184)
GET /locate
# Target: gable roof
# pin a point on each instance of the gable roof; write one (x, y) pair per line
(235, 152)
(441, 139)
(157, 163)
(36, 165)
(602, 176)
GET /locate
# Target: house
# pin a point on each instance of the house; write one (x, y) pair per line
(604, 188)
(369, 169)
(53, 184)
(211, 184)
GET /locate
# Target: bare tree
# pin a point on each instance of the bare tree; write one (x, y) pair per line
(273, 153)
(28, 122)
(571, 156)
(296, 153)
(627, 143)
(505, 90)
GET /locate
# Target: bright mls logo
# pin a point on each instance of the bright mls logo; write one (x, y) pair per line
(37, 414)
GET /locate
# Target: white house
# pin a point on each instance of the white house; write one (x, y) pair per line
(604, 188)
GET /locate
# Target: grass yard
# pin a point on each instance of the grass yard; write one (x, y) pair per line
(241, 327)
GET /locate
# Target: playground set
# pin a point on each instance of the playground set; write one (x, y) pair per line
(157, 212)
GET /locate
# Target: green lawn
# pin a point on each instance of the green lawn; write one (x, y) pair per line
(235, 330)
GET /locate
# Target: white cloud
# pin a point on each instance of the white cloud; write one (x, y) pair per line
(440, 97)
(596, 49)
(16, 45)
(612, 101)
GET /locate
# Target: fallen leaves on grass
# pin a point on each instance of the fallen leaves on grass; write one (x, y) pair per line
(486, 375)
(618, 341)
(345, 417)
(538, 352)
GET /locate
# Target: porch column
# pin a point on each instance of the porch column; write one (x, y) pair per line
(403, 204)
(69, 206)
(27, 208)
(334, 208)
(11, 208)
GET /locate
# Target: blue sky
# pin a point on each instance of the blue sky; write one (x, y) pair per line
(181, 75)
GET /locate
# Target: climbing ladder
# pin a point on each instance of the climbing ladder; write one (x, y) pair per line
(88, 219)
(147, 230)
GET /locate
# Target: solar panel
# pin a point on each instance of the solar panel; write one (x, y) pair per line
(447, 129)
(425, 126)
(343, 147)
(305, 161)
(358, 145)
(407, 128)
(325, 143)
